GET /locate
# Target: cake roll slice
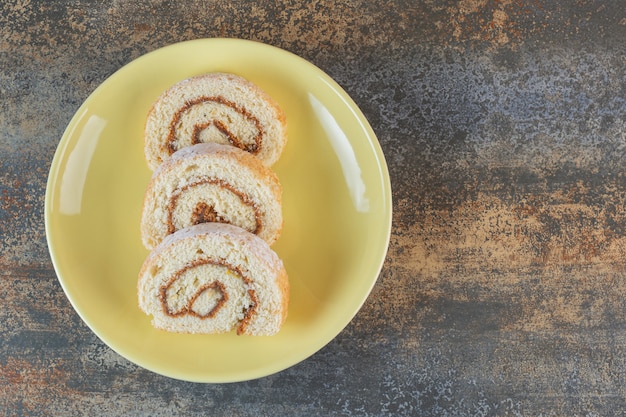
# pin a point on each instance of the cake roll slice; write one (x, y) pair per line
(214, 278)
(217, 108)
(210, 182)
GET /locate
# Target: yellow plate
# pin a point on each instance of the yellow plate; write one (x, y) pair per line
(336, 207)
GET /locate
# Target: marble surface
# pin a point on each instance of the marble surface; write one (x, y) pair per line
(503, 125)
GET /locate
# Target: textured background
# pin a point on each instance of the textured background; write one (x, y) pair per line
(503, 124)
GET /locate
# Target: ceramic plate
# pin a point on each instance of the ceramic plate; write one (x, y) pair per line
(336, 208)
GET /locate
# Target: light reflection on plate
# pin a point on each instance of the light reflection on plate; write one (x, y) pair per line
(336, 207)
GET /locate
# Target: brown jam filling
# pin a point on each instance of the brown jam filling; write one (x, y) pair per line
(232, 138)
(205, 213)
(248, 313)
(187, 309)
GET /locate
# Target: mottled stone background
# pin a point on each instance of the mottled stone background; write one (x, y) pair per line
(503, 124)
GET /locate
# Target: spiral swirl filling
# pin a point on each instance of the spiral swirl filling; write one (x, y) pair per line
(204, 288)
(212, 200)
(214, 119)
